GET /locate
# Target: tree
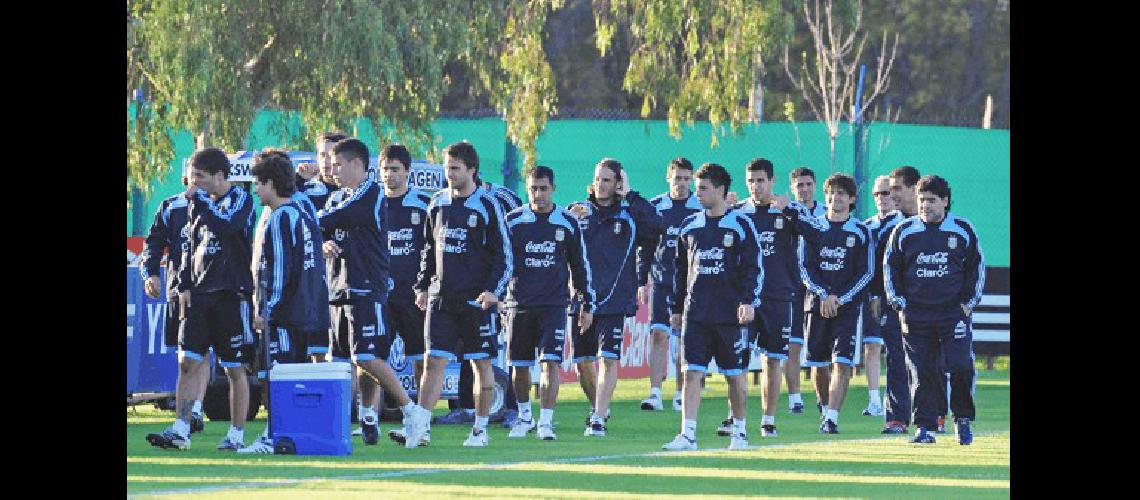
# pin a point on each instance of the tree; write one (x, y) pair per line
(828, 79)
(697, 57)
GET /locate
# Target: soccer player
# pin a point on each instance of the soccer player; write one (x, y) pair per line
(882, 327)
(620, 227)
(292, 293)
(358, 280)
(718, 283)
(547, 245)
(836, 268)
(319, 187)
(213, 283)
(168, 232)
(465, 266)
(934, 276)
(674, 206)
(803, 189)
(776, 220)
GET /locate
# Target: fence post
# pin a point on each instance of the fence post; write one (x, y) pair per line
(860, 173)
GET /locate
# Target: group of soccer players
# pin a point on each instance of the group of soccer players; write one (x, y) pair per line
(340, 264)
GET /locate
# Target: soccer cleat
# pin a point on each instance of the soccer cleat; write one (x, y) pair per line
(521, 428)
(477, 438)
(652, 403)
(546, 433)
(358, 432)
(768, 431)
(169, 439)
(796, 409)
(680, 443)
(197, 423)
(371, 430)
(739, 442)
(873, 409)
(398, 436)
(261, 445)
(828, 427)
(595, 429)
(228, 444)
(923, 437)
(676, 404)
(894, 427)
(965, 434)
(941, 425)
(725, 428)
(416, 426)
(457, 416)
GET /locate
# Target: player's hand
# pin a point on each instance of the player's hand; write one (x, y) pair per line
(966, 310)
(579, 211)
(675, 321)
(191, 189)
(643, 294)
(731, 199)
(585, 319)
(259, 323)
(183, 304)
(331, 249)
(829, 308)
(152, 287)
(623, 186)
(422, 300)
(308, 170)
(876, 307)
(745, 313)
(779, 202)
(487, 300)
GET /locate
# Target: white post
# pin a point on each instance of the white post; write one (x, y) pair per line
(989, 111)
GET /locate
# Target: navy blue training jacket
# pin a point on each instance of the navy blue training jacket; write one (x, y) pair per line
(933, 269)
(218, 250)
(466, 248)
(718, 267)
(838, 261)
(620, 240)
(407, 217)
(881, 226)
(778, 234)
(291, 273)
(549, 252)
(356, 221)
(167, 231)
(673, 212)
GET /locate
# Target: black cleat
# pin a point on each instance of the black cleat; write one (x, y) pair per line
(725, 428)
(371, 431)
(197, 423)
(168, 439)
(828, 427)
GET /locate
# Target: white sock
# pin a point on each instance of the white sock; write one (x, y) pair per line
(546, 416)
(594, 418)
(368, 414)
(795, 398)
(874, 395)
(832, 415)
(481, 422)
(689, 428)
(738, 424)
(236, 434)
(182, 428)
(655, 392)
(524, 410)
(197, 407)
(408, 408)
(677, 395)
(360, 410)
(824, 409)
(768, 420)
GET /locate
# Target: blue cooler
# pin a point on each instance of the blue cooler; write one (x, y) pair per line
(309, 408)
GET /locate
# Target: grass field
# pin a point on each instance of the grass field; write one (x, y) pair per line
(626, 463)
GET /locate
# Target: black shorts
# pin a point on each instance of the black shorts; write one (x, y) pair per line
(360, 335)
(834, 340)
(659, 308)
(407, 321)
(727, 343)
(798, 320)
(220, 320)
(872, 326)
(464, 328)
(772, 328)
(172, 323)
(535, 328)
(602, 339)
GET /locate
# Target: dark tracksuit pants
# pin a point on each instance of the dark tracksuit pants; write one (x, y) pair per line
(925, 342)
(898, 375)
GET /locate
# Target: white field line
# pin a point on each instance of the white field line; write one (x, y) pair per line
(501, 465)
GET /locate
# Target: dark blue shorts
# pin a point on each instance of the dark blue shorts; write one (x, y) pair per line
(726, 343)
(291, 345)
(541, 329)
(221, 320)
(461, 327)
(603, 339)
(360, 333)
(659, 308)
(772, 328)
(798, 321)
(834, 340)
(407, 321)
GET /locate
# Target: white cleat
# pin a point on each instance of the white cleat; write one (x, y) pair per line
(521, 428)
(873, 409)
(477, 438)
(739, 442)
(680, 443)
(261, 445)
(359, 431)
(676, 404)
(399, 436)
(546, 433)
(652, 403)
(415, 426)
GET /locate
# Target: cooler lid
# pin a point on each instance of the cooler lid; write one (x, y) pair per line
(337, 370)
